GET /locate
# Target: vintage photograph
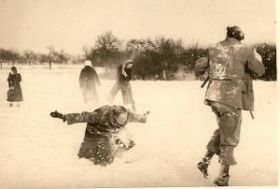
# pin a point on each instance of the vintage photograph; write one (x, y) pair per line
(138, 93)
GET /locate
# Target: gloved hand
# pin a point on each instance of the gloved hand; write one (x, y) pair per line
(147, 113)
(145, 116)
(56, 114)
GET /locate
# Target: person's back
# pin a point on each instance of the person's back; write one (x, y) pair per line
(229, 60)
(88, 77)
(87, 81)
(231, 66)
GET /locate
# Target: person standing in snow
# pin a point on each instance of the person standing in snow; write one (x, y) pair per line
(101, 142)
(124, 75)
(87, 80)
(231, 66)
(14, 93)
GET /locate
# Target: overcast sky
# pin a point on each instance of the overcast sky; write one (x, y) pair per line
(71, 24)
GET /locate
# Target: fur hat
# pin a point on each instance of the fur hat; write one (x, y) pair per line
(117, 110)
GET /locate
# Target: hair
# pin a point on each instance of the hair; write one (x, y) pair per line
(14, 69)
(235, 32)
(129, 61)
(118, 110)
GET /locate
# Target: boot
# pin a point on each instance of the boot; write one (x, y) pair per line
(204, 163)
(223, 177)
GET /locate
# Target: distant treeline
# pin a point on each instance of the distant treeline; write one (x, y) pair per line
(29, 57)
(160, 58)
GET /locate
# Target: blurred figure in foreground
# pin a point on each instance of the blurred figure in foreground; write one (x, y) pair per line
(101, 142)
(124, 75)
(231, 66)
(14, 93)
(88, 79)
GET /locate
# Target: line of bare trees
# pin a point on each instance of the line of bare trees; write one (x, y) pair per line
(29, 57)
(157, 58)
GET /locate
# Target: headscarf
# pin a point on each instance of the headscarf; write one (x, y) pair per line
(88, 63)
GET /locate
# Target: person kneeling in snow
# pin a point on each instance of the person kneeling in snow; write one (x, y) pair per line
(101, 142)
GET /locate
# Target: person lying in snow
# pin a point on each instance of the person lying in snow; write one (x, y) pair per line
(101, 142)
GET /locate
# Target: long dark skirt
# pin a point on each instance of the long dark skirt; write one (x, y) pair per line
(15, 94)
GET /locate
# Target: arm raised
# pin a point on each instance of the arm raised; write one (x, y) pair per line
(84, 117)
(142, 118)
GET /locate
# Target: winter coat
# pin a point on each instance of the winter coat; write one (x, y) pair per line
(88, 78)
(231, 67)
(99, 144)
(14, 93)
(124, 74)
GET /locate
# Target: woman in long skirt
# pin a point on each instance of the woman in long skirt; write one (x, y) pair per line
(14, 93)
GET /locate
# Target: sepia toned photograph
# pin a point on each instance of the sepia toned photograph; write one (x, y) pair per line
(138, 93)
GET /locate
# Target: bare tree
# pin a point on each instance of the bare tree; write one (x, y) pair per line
(86, 51)
(107, 50)
(61, 57)
(51, 56)
(14, 56)
(29, 56)
(108, 41)
(140, 45)
(6, 56)
(2, 57)
(135, 45)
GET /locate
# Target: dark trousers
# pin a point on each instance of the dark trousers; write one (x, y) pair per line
(125, 90)
(226, 137)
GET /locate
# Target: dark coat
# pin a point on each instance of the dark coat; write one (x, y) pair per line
(88, 78)
(231, 66)
(124, 74)
(14, 93)
(99, 144)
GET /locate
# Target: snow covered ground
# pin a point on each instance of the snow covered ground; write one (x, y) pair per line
(37, 151)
